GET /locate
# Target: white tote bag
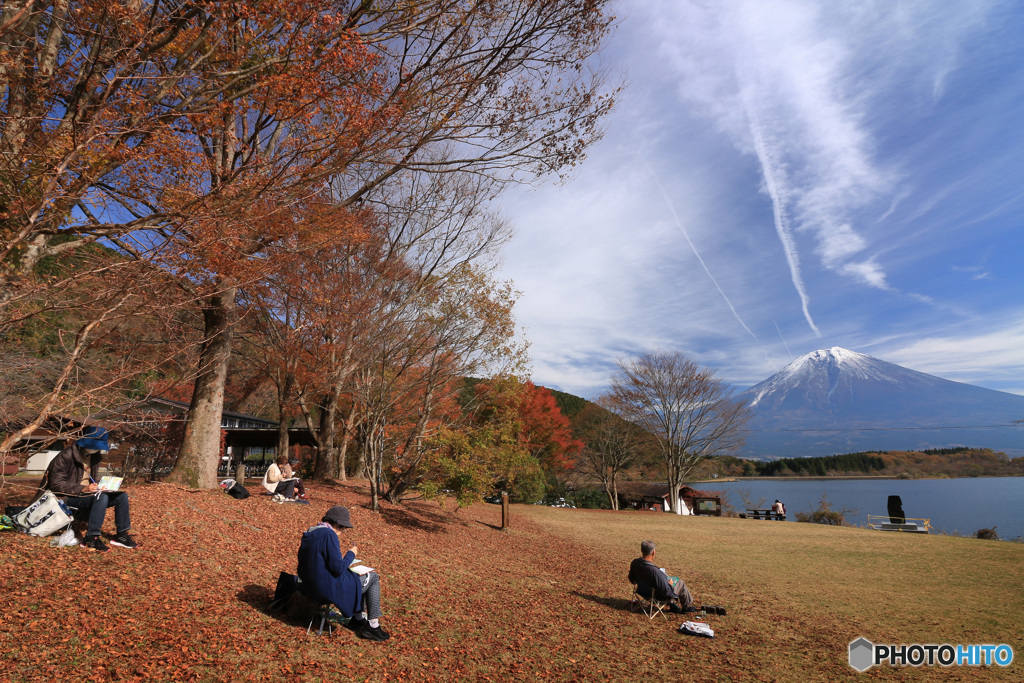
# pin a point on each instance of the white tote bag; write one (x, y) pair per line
(45, 516)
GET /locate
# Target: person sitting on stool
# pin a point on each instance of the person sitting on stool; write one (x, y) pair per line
(326, 578)
(70, 476)
(652, 583)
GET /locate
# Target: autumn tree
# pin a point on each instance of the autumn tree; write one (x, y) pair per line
(174, 129)
(458, 326)
(112, 328)
(545, 432)
(686, 406)
(487, 450)
(495, 94)
(194, 125)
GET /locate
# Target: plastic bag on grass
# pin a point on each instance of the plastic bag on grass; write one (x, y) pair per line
(696, 628)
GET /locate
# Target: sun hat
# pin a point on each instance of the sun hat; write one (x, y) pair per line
(338, 516)
(95, 438)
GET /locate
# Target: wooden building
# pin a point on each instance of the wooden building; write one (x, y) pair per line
(653, 496)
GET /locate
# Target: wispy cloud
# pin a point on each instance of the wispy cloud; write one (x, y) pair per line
(996, 358)
(686, 235)
(785, 80)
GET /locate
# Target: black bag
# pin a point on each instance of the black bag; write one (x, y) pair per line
(238, 492)
(287, 585)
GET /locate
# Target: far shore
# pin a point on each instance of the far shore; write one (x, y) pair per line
(838, 477)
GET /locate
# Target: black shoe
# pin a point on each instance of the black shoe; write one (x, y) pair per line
(355, 624)
(94, 543)
(675, 609)
(124, 541)
(689, 610)
(367, 632)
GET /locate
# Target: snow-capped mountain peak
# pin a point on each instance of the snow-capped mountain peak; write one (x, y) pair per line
(852, 396)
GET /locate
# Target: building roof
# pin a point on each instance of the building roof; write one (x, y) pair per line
(644, 491)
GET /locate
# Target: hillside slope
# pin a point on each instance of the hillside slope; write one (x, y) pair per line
(465, 601)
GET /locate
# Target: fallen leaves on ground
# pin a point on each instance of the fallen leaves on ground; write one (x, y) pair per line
(463, 600)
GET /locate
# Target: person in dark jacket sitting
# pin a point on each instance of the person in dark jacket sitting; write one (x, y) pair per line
(325, 575)
(74, 473)
(652, 581)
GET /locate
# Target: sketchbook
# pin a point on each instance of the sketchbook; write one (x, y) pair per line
(110, 483)
(358, 568)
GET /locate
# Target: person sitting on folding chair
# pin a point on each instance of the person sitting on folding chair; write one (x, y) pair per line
(74, 473)
(653, 584)
(325, 576)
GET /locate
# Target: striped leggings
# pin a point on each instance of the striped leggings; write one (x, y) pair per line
(371, 595)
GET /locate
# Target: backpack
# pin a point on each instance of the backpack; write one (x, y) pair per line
(43, 516)
(238, 492)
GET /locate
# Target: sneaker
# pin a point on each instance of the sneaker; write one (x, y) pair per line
(94, 543)
(124, 541)
(367, 632)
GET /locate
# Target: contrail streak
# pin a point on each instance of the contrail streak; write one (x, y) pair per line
(778, 194)
(782, 338)
(679, 224)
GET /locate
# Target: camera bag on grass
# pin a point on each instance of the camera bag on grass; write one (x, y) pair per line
(44, 516)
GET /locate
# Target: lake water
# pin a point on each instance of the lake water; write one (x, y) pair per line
(961, 505)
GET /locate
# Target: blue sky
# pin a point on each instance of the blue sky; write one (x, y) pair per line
(782, 176)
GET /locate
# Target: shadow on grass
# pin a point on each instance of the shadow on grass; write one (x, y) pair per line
(419, 520)
(257, 597)
(621, 604)
(297, 610)
(496, 527)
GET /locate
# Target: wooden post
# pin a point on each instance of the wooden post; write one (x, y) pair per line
(240, 473)
(504, 510)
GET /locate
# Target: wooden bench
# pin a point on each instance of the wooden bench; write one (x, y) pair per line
(764, 514)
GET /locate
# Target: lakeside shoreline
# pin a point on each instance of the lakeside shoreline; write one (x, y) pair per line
(844, 477)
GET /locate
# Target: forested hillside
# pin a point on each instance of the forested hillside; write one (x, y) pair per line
(939, 462)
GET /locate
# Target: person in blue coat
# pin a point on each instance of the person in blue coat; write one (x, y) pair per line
(325, 575)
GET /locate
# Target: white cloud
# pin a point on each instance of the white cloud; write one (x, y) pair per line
(996, 357)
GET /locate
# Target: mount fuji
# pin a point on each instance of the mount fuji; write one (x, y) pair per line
(839, 401)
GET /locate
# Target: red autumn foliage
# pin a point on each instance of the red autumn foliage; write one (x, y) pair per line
(545, 431)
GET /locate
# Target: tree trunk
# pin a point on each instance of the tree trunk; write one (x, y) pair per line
(673, 486)
(282, 436)
(346, 439)
(283, 393)
(324, 466)
(200, 448)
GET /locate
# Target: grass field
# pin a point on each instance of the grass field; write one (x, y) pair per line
(546, 599)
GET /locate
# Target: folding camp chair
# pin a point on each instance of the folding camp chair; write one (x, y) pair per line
(323, 610)
(649, 606)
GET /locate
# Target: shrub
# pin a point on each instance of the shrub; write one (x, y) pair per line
(824, 514)
(987, 534)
